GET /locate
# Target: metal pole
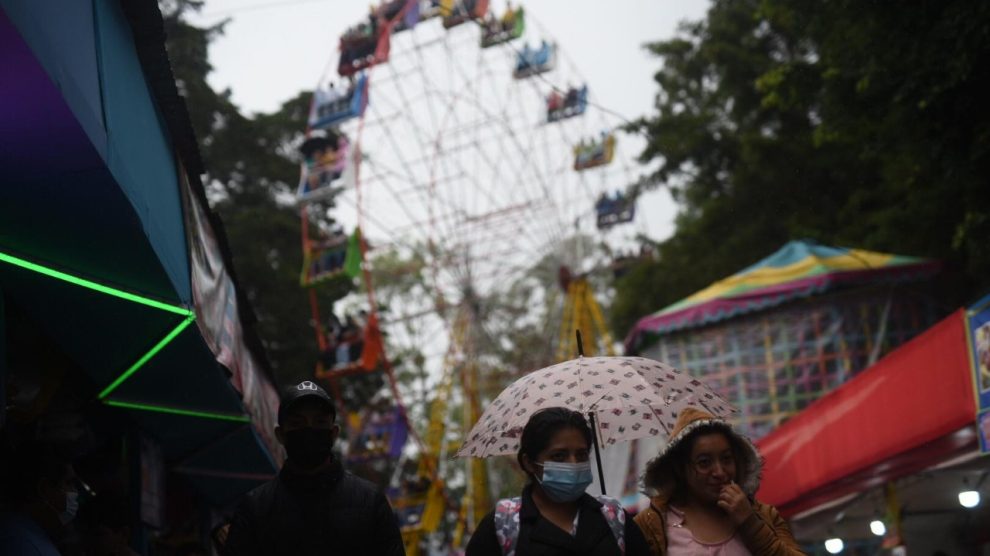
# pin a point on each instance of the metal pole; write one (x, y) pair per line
(598, 450)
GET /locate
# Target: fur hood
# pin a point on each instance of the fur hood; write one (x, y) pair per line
(659, 474)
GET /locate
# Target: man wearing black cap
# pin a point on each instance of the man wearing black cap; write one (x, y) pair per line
(313, 506)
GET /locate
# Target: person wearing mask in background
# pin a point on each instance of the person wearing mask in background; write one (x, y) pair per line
(701, 486)
(313, 506)
(554, 515)
(44, 499)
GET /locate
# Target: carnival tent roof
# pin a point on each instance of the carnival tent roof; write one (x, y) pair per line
(798, 269)
(912, 410)
(94, 242)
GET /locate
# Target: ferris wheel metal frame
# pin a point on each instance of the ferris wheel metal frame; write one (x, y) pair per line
(513, 147)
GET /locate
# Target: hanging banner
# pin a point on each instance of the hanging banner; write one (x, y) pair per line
(218, 319)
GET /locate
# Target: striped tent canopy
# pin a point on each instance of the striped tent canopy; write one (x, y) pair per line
(798, 269)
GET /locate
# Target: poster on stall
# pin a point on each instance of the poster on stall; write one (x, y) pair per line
(979, 326)
(983, 431)
(979, 329)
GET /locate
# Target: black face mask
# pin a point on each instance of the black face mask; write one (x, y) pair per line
(308, 447)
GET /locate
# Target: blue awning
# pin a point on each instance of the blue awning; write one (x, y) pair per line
(93, 239)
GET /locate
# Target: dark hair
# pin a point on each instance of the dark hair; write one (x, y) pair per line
(668, 474)
(545, 423)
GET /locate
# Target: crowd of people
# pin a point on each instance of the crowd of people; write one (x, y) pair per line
(46, 509)
(702, 485)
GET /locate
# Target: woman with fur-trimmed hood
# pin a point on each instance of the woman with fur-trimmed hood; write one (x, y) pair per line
(701, 486)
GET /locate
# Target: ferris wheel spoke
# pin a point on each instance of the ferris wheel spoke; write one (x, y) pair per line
(466, 79)
(408, 171)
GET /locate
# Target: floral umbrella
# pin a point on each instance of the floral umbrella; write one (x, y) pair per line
(625, 397)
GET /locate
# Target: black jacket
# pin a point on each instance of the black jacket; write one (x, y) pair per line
(538, 536)
(330, 513)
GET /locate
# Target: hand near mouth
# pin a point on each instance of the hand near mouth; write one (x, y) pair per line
(734, 501)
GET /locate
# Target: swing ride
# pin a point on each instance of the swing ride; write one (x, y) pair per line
(441, 151)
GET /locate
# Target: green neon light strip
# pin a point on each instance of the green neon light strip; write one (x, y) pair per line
(93, 285)
(179, 411)
(144, 358)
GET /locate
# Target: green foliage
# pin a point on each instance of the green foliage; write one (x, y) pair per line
(859, 124)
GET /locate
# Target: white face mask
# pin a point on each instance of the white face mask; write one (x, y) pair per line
(71, 507)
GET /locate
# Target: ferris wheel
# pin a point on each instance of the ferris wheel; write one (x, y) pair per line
(464, 143)
(462, 161)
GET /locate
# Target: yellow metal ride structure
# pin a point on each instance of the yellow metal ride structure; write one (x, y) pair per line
(426, 500)
(581, 313)
(431, 499)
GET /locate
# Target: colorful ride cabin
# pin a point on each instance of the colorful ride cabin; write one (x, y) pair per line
(332, 106)
(572, 103)
(324, 162)
(456, 12)
(589, 154)
(510, 26)
(364, 45)
(532, 61)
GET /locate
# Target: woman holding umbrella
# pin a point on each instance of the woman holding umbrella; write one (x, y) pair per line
(554, 515)
(702, 484)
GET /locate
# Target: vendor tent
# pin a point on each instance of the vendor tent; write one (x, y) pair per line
(101, 212)
(908, 423)
(776, 336)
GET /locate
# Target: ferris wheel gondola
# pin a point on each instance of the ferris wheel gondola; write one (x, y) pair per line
(456, 12)
(594, 153)
(332, 106)
(534, 61)
(568, 105)
(364, 45)
(510, 26)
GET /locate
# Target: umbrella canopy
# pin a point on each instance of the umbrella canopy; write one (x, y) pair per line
(629, 397)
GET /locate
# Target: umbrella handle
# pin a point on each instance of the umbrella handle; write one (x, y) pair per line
(594, 440)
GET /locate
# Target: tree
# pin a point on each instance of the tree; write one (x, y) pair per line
(848, 123)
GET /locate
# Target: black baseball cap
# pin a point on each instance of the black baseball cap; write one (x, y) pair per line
(303, 390)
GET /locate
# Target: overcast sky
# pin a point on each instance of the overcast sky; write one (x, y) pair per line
(273, 49)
